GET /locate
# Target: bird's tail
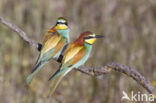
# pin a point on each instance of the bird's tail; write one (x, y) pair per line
(58, 76)
(34, 72)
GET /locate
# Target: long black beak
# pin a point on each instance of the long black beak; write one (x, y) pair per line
(99, 36)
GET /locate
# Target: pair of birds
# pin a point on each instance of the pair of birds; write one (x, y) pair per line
(57, 45)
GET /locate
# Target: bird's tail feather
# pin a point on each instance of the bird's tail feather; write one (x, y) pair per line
(34, 72)
(59, 72)
(58, 77)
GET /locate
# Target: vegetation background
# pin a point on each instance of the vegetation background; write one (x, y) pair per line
(129, 27)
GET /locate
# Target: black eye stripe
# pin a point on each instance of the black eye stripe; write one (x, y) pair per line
(62, 23)
(89, 37)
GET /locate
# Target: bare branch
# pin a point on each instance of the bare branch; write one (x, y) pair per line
(21, 33)
(131, 72)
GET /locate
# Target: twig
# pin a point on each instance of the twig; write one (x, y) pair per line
(131, 72)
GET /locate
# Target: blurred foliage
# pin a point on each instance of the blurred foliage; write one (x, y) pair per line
(130, 34)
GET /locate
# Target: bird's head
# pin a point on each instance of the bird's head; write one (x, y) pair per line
(61, 23)
(88, 37)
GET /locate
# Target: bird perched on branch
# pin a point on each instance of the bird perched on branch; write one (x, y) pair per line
(54, 43)
(75, 55)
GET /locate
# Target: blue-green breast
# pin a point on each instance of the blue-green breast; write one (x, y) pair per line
(65, 34)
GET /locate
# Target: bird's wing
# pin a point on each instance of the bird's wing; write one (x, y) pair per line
(51, 32)
(67, 66)
(76, 57)
(79, 56)
(72, 50)
(52, 38)
(69, 47)
(51, 42)
(59, 47)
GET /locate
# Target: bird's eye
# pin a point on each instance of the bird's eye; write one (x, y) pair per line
(88, 37)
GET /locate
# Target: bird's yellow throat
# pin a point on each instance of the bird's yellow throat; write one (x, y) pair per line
(61, 27)
(90, 41)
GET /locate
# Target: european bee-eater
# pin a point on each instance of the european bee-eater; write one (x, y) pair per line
(74, 56)
(54, 43)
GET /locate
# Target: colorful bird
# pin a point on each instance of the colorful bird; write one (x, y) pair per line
(74, 56)
(55, 42)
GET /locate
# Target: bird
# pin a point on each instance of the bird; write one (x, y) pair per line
(55, 41)
(75, 55)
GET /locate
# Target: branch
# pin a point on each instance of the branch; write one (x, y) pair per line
(21, 33)
(131, 72)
